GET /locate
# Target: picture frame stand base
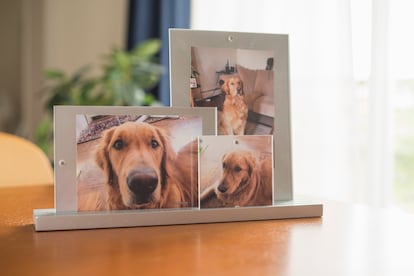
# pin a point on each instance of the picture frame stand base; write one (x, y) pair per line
(50, 220)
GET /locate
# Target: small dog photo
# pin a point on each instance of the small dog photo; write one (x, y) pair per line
(137, 162)
(239, 82)
(236, 171)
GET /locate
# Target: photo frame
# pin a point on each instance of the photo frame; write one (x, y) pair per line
(236, 171)
(67, 168)
(269, 104)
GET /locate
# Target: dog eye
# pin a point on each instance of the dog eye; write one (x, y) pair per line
(118, 145)
(154, 144)
(224, 165)
(237, 169)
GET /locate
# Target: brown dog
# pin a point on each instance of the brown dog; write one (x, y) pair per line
(139, 164)
(245, 182)
(233, 117)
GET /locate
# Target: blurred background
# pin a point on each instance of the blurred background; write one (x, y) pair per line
(352, 79)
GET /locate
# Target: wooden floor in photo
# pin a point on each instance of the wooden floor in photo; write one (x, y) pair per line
(258, 129)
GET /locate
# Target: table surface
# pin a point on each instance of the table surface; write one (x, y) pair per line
(347, 240)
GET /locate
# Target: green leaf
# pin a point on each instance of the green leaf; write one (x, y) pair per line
(122, 59)
(79, 75)
(54, 74)
(147, 49)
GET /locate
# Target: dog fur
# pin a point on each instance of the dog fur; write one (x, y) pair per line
(245, 181)
(142, 170)
(233, 116)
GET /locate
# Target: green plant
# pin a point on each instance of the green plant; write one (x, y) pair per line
(125, 80)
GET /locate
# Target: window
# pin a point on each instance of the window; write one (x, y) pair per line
(352, 91)
(402, 85)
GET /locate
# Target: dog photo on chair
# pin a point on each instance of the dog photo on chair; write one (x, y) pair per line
(137, 162)
(236, 171)
(239, 82)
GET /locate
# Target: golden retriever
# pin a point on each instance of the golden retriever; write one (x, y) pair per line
(233, 117)
(140, 169)
(245, 181)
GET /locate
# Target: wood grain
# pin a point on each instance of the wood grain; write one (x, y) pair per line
(348, 240)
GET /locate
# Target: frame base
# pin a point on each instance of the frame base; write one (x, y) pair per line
(50, 220)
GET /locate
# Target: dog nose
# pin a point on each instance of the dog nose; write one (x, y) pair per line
(222, 188)
(142, 182)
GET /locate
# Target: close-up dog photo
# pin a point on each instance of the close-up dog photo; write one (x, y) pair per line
(239, 173)
(240, 83)
(143, 163)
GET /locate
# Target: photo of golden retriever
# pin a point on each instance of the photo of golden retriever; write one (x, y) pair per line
(245, 178)
(239, 83)
(138, 162)
(233, 116)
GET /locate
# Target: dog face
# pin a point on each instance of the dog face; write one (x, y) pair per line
(134, 158)
(233, 86)
(238, 176)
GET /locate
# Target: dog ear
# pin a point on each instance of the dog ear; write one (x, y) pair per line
(242, 87)
(225, 87)
(223, 157)
(253, 163)
(169, 155)
(102, 155)
(256, 170)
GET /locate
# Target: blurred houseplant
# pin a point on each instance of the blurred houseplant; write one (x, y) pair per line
(125, 80)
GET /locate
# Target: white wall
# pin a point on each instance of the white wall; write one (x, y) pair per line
(255, 60)
(210, 60)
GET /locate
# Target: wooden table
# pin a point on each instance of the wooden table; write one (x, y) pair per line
(348, 240)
